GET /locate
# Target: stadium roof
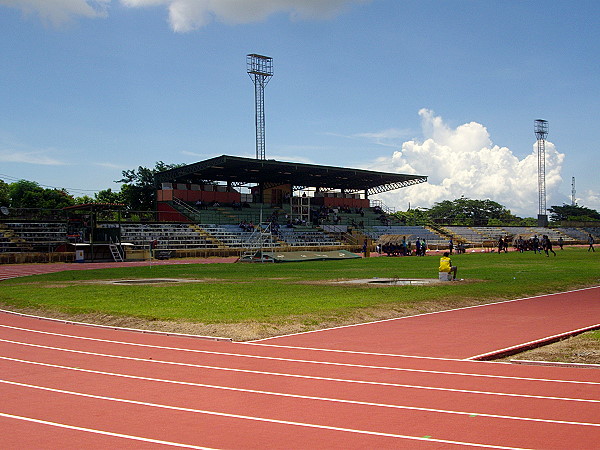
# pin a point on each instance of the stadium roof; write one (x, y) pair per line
(271, 173)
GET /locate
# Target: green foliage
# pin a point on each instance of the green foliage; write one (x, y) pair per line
(108, 196)
(467, 212)
(84, 200)
(463, 211)
(4, 193)
(29, 194)
(413, 217)
(573, 213)
(138, 191)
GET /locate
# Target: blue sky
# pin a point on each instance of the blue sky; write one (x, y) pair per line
(448, 89)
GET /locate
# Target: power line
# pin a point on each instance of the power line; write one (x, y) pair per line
(11, 178)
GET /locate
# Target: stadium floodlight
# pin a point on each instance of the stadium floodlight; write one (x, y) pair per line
(540, 129)
(260, 70)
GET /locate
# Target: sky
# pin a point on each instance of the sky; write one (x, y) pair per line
(449, 89)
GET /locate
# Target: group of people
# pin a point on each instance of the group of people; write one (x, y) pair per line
(459, 248)
(538, 245)
(246, 226)
(403, 248)
(326, 214)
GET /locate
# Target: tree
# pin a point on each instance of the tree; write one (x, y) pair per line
(29, 194)
(573, 213)
(464, 211)
(4, 193)
(415, 216)
(84, 200)
(108, 196)
(138, 191)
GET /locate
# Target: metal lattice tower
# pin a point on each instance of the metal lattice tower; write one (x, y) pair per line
(573, 192)
(260, 69)
(541, 131)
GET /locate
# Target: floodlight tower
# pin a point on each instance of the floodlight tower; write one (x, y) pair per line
(260, 69)
(541, 131)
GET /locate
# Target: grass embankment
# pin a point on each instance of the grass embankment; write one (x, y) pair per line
(247, 301)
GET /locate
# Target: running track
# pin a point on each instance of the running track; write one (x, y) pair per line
(73, 386)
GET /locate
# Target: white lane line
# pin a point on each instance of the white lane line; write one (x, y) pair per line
(105, 433)
(253, 418)
(309, 397)
(303, 361)
(423, 314)
(111, 327)
(355, 352)
(73, 336)
(306, 377)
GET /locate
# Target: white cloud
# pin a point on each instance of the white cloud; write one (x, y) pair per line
(35, 157)
(188, 15)
(111, 166)
(464, 161)
(388, 138)
(58, 12)
(589, 199)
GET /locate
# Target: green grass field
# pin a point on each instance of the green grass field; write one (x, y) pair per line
(278, 293)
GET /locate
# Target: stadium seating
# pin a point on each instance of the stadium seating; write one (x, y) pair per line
(33, 236)
(170, 236)
(411, 233)
(306, 237)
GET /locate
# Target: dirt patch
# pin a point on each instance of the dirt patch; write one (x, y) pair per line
(379, 282)
(581, 349)
(160, 281)
(251, 330)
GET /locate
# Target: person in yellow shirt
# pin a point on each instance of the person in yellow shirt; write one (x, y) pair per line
(446, 265)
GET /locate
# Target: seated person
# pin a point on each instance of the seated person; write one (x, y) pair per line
(446, 265)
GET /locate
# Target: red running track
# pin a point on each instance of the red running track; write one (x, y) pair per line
(464, 333)
(72, 386)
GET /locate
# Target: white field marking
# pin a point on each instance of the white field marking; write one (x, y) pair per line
(72, 336)
(555, 364)
(355, 352)
(253, 418)
(110, 327)
(533, 343)
(419, 315)
(105, 433)
(258, 372)
(273, 358)
(339, 380)
(308, 397)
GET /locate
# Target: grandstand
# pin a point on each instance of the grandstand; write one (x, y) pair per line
(231, 205)
(32, 236)
(488, 236)
(168, 236)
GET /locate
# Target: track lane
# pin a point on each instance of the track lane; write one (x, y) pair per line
(159, 410)
(435, 334)
(406, 398)
(387, 400)
(155, 421)
(13, 325)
